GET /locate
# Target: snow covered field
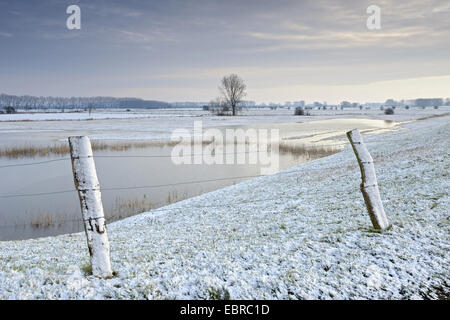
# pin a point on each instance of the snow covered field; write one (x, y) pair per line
(42, 128)
(303, 233)
(277, 115)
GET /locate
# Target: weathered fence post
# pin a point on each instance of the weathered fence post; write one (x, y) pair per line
(369, 185)
(86, 182)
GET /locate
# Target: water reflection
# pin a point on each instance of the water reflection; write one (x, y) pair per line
(128, 176)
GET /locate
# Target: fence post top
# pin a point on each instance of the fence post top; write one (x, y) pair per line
(353, 131)
(80, 146)
(78, 137)
(354, 135)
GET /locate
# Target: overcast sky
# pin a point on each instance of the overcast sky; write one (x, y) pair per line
(177, 50)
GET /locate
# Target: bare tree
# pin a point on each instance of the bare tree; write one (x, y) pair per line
(90, 108)
(233, 90)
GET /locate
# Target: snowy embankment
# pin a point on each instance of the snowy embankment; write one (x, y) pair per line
(301, 233)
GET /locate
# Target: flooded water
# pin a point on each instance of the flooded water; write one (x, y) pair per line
(40, 200)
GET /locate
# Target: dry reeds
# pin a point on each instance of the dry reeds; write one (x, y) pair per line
(128, 207)
(46, 220)
(33, 151)
(311, 152)
(63, 149)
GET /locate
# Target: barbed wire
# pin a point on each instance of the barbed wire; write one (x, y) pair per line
(155, 156)
(160, 185)
(180, 183)
(4, 196)
(179, 208)
(33, 163)
(145, 186)
(167, 207)
(340, 145)
(130, 187)
(52, 223)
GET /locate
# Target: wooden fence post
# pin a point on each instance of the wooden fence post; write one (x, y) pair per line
(369, 185)
(86, 182)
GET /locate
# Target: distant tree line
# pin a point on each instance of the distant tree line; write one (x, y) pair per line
(32, 102)
(429, 102)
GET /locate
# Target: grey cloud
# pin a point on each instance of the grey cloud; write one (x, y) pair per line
(184, 41)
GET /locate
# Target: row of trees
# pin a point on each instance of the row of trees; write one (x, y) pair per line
(32, 102)
(233, 90)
